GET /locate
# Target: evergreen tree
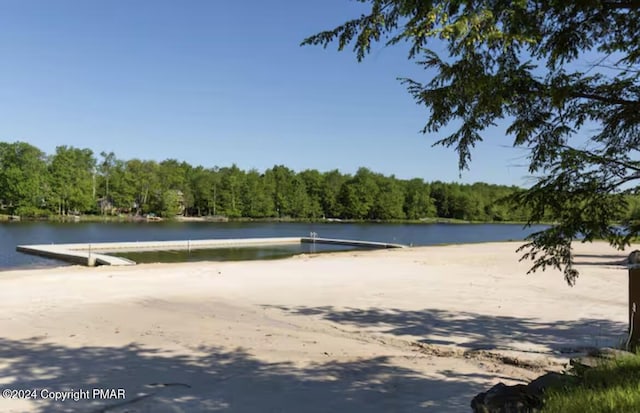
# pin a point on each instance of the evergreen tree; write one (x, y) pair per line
(564, 75)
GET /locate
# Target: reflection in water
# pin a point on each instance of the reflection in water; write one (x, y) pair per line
(269, 252)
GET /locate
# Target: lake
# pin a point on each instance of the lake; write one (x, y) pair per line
(19, 233)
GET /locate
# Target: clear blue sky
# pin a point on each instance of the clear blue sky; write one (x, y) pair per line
(219, 82)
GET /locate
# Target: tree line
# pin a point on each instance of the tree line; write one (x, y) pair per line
(75, 181)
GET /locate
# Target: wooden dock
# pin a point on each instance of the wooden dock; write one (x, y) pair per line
(97, 253)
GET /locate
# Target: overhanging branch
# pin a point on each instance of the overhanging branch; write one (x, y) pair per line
(621, 5)
(603, 159)
(605, 99)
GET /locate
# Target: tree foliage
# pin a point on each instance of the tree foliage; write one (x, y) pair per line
(73, 181)
(72, 174)
(23, 177)
(564, 75)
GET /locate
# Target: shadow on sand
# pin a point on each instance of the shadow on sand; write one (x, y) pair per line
(479, 332)
(616, 260)
(225, 380)
(222, 381)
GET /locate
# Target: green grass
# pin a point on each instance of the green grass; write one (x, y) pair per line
(613, 387)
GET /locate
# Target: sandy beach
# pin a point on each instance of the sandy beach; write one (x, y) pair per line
(407, 330)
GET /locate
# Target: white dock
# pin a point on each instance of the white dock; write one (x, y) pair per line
(76, 256)
(354, 243)
(96, 253)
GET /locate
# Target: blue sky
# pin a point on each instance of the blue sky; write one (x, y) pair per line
(219, 82)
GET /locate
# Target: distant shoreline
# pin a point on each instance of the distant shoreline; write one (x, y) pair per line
(222, 219)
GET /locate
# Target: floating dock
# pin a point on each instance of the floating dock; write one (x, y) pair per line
(97, 253)
(353, 243)
(75, 256)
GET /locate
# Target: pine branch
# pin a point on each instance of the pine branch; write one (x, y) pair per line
(605, 99)
(621, 5)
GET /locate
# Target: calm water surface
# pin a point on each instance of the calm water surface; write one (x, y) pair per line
(268, 252)
(18, 233)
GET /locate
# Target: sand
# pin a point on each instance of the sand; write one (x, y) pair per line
(411, 330)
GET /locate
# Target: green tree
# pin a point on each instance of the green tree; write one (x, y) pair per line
(280, 180)
(105, 172)
(358, 195)
(122, 188)
(314, 183)
(564, 75)
(216, 180)
(441, 195)
(418, 201)
(299, 200)
(201, 183)
(390, 201)
(331, 188)
(23, 178)
(72, 177)
(105, 167)
(145, 184)
(230, 195)
(30, 181)
(256, 201)
(171, 174)
(634, 207)
(173, 177)
(172, 203)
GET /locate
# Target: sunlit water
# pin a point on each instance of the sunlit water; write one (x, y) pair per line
(25, 233)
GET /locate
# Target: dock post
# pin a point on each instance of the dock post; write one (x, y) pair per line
(313, 236)
(634, 300)
(90, 262)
